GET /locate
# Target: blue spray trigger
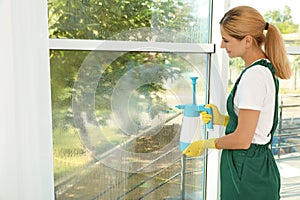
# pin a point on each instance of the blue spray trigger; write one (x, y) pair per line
(209, 111)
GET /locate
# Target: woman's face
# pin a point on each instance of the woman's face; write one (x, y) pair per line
(233, 46)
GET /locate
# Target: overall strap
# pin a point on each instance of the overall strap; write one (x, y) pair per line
(232, 124)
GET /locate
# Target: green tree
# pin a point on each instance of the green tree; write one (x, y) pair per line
(102, 19)
(283, 21)
(106, 20)
(134, 20)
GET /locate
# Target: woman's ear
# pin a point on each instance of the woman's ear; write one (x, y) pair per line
(248, 41)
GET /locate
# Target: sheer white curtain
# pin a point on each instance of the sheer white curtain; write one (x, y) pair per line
(26, 168)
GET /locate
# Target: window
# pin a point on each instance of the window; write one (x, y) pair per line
(116, 78)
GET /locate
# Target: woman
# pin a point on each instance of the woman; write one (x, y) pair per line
(248, 169)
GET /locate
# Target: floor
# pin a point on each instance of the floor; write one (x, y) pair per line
(290, 177)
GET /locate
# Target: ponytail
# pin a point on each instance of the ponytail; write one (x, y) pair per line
(276, 52)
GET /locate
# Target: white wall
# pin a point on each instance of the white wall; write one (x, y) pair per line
(26, 168)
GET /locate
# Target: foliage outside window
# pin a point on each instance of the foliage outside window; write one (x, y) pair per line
(155, 21)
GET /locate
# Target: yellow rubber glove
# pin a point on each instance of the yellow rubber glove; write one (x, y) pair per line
(218, 118)
(198, 147)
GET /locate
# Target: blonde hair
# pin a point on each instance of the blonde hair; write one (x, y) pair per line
(244, 20)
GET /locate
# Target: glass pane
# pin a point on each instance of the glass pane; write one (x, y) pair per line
(116, 126)
(114, 19)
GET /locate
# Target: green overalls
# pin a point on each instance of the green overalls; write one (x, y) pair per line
(250, 174)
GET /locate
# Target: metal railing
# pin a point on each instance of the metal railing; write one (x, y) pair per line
(287, 136)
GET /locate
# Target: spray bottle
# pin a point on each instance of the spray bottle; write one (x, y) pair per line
(190, 129)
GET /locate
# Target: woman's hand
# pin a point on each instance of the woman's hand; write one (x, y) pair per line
(217, 117)
(198, 147)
